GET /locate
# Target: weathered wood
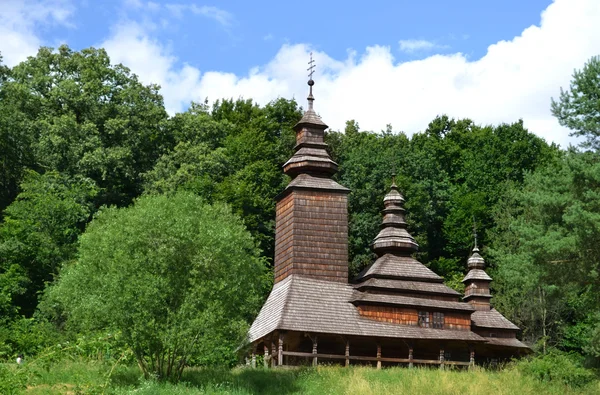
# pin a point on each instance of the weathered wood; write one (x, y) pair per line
(347, 353)
(378, 356)
(410, 357)
(311, 235)
(266, 360)
(280, 352)
(373, 359)
(441, 358)
(472, 357)
(273, 352)
(314, 351)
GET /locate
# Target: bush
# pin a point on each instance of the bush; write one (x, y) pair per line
(26, 336)
(13, 379)
(559, 367)
(178, 279)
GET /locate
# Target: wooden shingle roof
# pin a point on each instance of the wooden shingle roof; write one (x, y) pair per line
(491, 319)
(399, 267)
(406, 301)
(407, 286)
(477, 274)
(309, 305)
(505, 342)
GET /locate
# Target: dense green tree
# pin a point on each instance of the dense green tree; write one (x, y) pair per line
(80, 115)
(579, 107)
(178, 278)
(547, 255)
(39, 233)
(231, 153)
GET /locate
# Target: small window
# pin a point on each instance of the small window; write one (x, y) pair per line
(424, 319)
(438, 320)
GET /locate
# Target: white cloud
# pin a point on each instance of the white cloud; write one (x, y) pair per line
(411, 46)
(515, 79)
(223, 17)
(131, 45)
(19, 20)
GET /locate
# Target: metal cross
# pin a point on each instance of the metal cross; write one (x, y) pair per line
(311, 67)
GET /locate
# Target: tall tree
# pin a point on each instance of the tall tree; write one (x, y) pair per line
(547, 255)
(83, 116)
(579, 107)
(39, 233)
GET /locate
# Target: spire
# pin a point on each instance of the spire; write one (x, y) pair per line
(310, 117)
(311, 155)
(311, 70)
(477, 281)
(393, 237)
(475, 261)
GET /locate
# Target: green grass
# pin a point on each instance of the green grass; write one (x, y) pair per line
(71, 377)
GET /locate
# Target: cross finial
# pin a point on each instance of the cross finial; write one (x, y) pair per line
(475, 231)
(393, 174)
(311, 67)
(311, 70)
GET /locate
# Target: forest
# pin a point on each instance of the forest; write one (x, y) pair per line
(131, 235)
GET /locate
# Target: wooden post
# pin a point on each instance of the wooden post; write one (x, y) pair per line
(254, 356)
(273, 351)
(280, 351)
(378, 356)
(347, 354)
(472, 358)
(266, 360)
(314, 350)
(410, 356)
(441, 358)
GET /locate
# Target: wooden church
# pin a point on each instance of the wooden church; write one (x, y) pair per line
(396, 311)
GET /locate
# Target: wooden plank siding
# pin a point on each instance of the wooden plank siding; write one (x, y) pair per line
(407, 316)
(311, 235)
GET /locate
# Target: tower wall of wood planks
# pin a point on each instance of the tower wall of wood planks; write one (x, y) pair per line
(311, 231)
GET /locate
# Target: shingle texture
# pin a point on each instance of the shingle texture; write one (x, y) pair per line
(309, 305)
(397, 300)
(311, 182)
(505, 342)
(477, 274)
(410, 286)
(399, 267)
(491, 319)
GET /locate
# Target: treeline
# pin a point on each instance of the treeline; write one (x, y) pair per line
(80, 138)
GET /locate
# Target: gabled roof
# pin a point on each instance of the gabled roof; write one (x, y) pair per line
(399, 267)
(407, 286)
(491, 319)
(398, 300)
(309, 305)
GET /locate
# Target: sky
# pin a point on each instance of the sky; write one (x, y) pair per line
(378, 62)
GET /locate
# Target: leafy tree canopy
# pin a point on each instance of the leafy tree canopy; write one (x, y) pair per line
(179, 279)
(579, 107)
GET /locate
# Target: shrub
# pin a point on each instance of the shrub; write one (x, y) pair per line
(557, 366)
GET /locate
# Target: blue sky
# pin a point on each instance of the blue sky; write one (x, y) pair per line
(492, 61)
(249, 33)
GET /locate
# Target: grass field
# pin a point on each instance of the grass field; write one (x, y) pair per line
(96, 378)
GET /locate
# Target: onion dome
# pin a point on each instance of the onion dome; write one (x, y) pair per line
(393, 237)
(476, 261)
